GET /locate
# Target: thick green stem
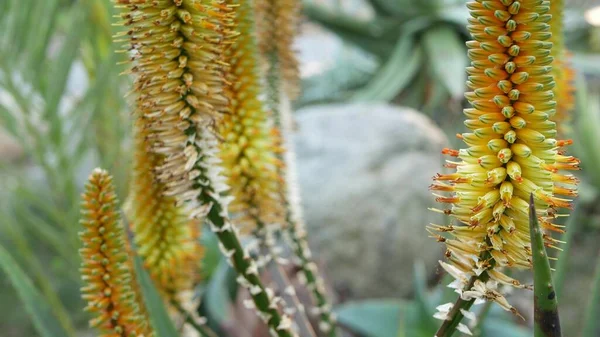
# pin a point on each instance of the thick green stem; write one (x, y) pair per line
(278, 103)
(455, 315)
(246, 268)
(287, 292)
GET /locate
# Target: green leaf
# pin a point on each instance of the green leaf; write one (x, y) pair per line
(8, 122)
(374, 36)
(546, 319)
(46, 324)
(60, 70)
(448, 57)
(372, 318)
(154, 304)
(395, 75)
(590, 327)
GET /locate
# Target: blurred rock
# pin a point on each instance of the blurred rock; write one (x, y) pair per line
(364, 172)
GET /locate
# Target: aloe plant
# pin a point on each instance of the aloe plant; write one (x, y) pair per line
(210, 107)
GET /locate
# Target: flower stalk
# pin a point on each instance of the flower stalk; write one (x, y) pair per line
(279, 20)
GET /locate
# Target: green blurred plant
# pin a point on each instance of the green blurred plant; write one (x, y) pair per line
(67, 128)
(419, 47)
(61, 99)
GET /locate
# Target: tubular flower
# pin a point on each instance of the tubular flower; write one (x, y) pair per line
(106, 268)
(564, 75)
(277, 25)
(177, 49)
(511, 152)
(166, 239)
(250, 146)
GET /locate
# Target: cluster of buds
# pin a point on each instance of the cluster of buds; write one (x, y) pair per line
(106, 267)
(511, 152)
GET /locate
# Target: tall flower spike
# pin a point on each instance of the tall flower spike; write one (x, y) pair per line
(250, 147)
(106, 267)
(278, 21)
(277, 25)
(511, 151)
(166, 238)
(564, 74)
(178, 50)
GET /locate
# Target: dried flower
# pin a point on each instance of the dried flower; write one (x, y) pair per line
(166, 238)
(511, 152)
(250, 148)
(106, 268)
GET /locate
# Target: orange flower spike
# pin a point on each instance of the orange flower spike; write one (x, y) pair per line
(106, 268)
(511, 150)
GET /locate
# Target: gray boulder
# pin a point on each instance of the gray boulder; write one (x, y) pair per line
(364, 172)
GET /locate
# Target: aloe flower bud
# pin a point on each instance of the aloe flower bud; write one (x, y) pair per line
(106, 267)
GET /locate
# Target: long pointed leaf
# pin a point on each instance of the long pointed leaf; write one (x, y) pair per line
(159, 317)
(46, 324)
(395, 75)
(448, 56)
(547, 323)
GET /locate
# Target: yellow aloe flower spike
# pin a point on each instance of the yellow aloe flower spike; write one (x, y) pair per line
(177, 47)
(166, 238)
(511, 151)
(106, 267)
(278, 23)
(250, 147)
(564, 74)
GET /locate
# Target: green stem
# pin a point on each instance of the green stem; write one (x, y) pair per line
(245, 266)
(275, 102)
(280, 278)
(455, 315)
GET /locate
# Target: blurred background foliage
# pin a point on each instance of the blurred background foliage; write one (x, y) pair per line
(63, 111)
